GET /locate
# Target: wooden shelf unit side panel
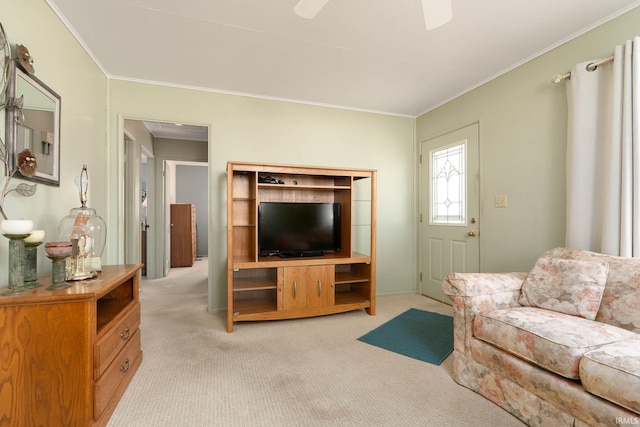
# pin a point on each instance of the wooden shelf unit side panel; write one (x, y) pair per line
(372, 274)
(230, 245)
(280, 289)
(346, 212)
(361, 221)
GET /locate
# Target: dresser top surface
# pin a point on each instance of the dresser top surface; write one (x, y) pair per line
(109, 278)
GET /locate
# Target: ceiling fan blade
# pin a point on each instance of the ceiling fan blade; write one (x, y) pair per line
(436, 13)
(309, 8)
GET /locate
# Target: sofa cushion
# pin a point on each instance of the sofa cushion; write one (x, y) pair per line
(566, 286)
(552, 340)
(613, 373)
(621, 297)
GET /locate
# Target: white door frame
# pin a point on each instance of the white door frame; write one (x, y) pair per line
(132, 195)
(157, 209)
(133, 157)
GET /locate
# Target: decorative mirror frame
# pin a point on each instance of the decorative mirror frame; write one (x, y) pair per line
(16, 130)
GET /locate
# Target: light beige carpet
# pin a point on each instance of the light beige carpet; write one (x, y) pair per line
(308, 372)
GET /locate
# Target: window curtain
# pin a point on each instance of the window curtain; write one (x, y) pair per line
(603, 155)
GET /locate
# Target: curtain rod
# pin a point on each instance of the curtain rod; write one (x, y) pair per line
(591, 66)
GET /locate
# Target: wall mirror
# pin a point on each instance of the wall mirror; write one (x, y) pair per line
(33, 123)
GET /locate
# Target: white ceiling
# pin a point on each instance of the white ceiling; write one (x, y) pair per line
(177, 131)
(371, 55)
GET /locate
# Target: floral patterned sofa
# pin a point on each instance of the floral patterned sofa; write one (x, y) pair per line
(558, 346)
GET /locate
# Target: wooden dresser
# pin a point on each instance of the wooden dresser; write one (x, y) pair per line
(67, 356)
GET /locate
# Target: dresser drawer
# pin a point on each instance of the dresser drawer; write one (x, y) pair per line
(115, 338)
(120, 371)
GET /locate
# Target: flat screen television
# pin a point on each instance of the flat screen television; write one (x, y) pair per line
(298, 229)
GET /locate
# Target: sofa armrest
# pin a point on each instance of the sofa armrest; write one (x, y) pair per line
(471, 284)
(473, 293)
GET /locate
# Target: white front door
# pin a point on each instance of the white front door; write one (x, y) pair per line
(449, 208)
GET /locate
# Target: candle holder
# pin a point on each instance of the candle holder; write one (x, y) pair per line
(58, 252)
(31, 265)
(31, 244)
(16, 264)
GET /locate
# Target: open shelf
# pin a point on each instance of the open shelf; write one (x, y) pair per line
(348, 297)
(246, 284)
(303, 187)
(243, 307)
(353, 273)
(110, 305)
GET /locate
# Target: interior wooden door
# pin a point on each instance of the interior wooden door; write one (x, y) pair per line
(182, 235)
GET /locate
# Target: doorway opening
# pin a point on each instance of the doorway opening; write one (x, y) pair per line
(153, 151)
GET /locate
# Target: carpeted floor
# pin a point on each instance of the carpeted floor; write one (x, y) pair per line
(307, 372)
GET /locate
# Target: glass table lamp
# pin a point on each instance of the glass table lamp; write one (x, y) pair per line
(87, 233)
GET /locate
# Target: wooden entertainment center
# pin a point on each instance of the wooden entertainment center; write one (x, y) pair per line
(269, 287)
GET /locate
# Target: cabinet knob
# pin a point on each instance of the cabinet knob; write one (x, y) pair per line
(125, 366)
(125, 334)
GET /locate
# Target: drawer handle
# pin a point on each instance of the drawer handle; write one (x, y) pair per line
(125, 367)
(125, 334)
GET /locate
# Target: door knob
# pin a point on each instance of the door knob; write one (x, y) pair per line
(472, 233)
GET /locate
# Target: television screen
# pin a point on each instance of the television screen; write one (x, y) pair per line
(298, 229)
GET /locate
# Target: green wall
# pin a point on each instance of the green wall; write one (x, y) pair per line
(522, 118)
(258, 130)
(62, 64)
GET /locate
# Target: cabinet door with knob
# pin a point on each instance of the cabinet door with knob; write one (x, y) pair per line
(308, 287)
